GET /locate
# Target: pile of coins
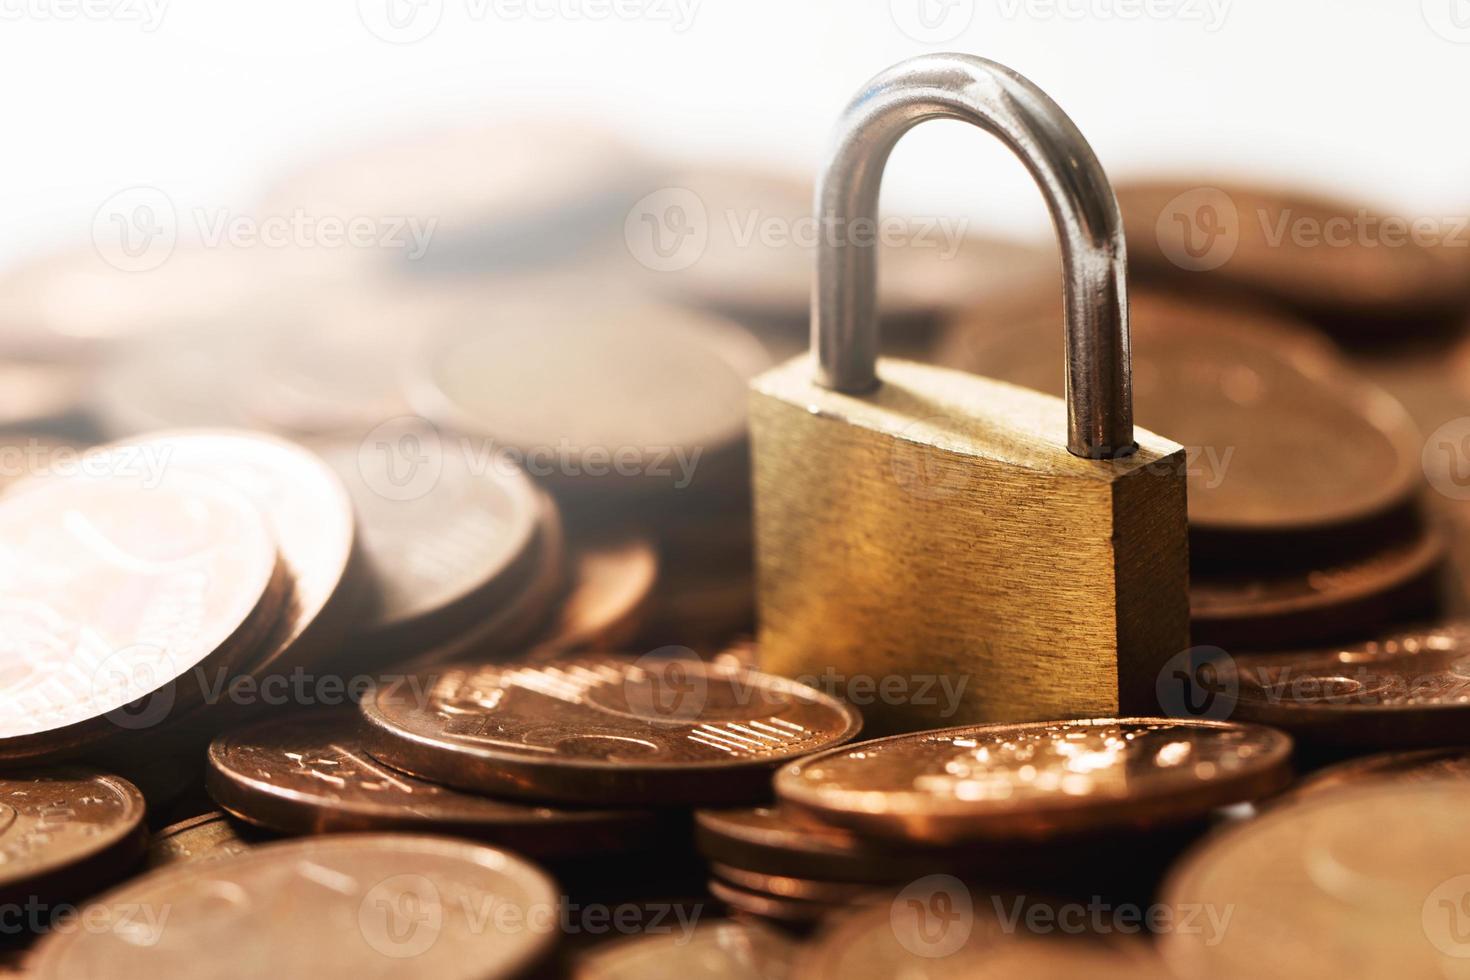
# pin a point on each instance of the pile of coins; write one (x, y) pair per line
(393, 614)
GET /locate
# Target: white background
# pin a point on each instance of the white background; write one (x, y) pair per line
(1360, 96)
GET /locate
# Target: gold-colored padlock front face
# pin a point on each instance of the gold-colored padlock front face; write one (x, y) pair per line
(932, 551)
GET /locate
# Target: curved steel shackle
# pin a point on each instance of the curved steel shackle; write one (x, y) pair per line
(1083, 209)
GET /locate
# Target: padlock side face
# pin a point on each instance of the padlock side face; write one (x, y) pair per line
(929, 554)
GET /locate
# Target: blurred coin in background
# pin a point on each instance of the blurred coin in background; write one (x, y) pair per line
(1350, 269)
(502, 195)
(448, 534)
(207, 837)
(348, 905)
(1364, 882)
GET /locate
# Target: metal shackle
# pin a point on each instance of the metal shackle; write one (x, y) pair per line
(1083, 210)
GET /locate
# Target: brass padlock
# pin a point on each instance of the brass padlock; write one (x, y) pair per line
(925, 543)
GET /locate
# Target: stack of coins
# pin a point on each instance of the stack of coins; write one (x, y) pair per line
(1048, 806)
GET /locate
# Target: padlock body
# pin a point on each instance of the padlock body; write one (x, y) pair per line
(931, 551)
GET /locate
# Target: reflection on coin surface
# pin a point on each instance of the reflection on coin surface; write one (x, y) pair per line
(767, 840)
(1424, 765)
(1280, 434)
(444, 537)
(67, 831)
(636, 402)
(612, 581)
(355, 905)
(1364, 882)
(1278, 608)
(115, 588)
(773, 907)
(1001, 781)
(1409, 688)
(603, 729)
(308, 773)
(785, 886)
(206, 837)
(308, 510)
(719, 949)
(936, 930)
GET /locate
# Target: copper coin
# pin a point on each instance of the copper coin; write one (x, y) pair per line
(446, 538)
(612, 584)
(720, 949)
(207, 837)
(1344, 264)
(514, 625)
(770, 841)
(1423, 765)
(67, 831)
(117, 589)
(785, 886)
(1280, 434)
(595, 393)
(1272, 609)
(1036, 779)
(1364, 882)
(791, 911)
(309, 774)
(603, 729)
(936, 929)
(350, 905)
(309, 512)
(1407, 689)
